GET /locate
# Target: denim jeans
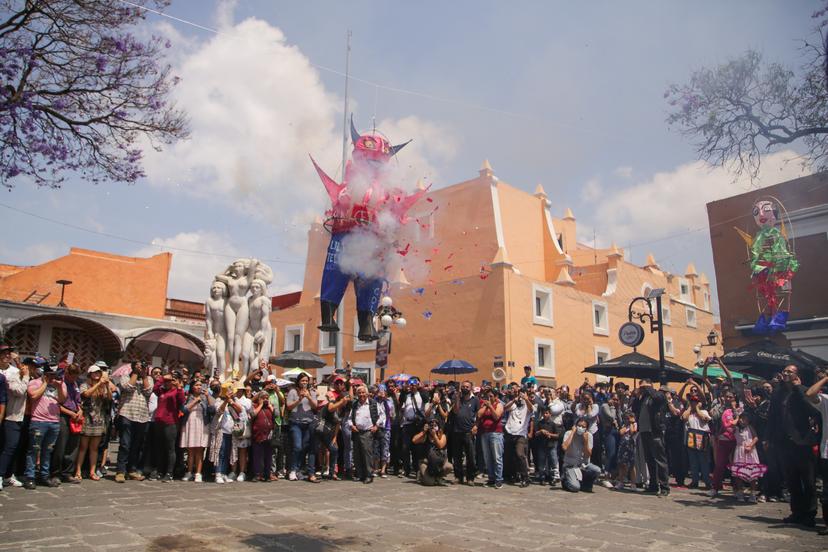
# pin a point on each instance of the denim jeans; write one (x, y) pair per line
(225, 452)
(347, 447)
(130, 442)
(546, 464)
(10, 442)
(493, 456)
(42, 437)
(610, 449)
(699, 464)
(302, 435)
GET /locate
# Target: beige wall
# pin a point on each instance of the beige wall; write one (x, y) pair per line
(477, 319)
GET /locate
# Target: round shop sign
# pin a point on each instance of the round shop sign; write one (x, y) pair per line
(631, 334)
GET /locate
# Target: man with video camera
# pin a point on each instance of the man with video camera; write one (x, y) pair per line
(132, 420)
(518, 431)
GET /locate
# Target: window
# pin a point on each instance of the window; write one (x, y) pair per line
(542, 305)
(545, 357)
(665, 315)
(362, 345)
(646, 289)
(668, 347)
(327, 342)
(602, 355)
(684, 290)
(691, 317)
(294, 337)
(600, 318)
(706, 301)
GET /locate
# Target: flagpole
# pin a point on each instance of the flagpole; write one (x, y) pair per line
(340, 310)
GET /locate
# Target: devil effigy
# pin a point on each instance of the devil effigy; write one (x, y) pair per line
(366, 215)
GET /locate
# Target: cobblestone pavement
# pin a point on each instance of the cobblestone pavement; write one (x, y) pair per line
(393, 514)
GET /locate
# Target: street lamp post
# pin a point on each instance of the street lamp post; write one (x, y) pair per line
(712, 341)
(387, 316)
(656, 325)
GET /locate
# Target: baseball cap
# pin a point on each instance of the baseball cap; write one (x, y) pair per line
(5, 346)
(338, 378)
(102, 365)
(93, 368)
(270, 378)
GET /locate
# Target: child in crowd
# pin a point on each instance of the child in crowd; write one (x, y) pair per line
(626, 452)
(745, 466)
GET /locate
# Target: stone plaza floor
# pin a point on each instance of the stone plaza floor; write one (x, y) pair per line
(392, 514)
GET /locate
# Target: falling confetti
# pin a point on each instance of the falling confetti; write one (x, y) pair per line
(418, 291)
(427, 315)
(430, 200)
(448, 267)
(404, 251)
(484, 272)
(458, 282)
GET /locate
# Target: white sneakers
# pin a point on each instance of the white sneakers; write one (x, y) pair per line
(230, 477)
(240, 478)
(219, 478)
(197, 478)
(292, 476)
(187, 476)
(12, 482)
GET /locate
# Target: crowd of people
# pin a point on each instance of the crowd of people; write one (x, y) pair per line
(766, 438)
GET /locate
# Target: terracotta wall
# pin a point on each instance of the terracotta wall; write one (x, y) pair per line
(100, 282)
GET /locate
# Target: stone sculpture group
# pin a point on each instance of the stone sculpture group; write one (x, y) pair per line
(238, 325)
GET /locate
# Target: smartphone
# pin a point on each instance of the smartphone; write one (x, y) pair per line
(70, 358)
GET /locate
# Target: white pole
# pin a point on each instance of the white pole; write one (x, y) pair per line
(340, 311)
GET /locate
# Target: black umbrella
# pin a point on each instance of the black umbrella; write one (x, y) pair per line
(766, 358)
(637, 366)
(298, 359)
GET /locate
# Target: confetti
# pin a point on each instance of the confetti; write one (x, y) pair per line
(418, 291)
(458, 282)
(428, 260)
(427, 315)
(404, 251)
(429, 200)
(448, 267)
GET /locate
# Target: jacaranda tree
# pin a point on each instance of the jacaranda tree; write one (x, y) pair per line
(745, 108)
(79, 90)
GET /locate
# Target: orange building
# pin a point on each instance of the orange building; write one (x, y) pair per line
(109, 300)
(497, 277)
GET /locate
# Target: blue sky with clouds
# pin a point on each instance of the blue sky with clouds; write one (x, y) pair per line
(567, 94)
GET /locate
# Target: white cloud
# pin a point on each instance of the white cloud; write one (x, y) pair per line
(623, 172)
(192, 273)
(257, 109)
(674, 201)
(592, 189)
(32, 254)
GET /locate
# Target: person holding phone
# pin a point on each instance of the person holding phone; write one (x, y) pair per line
(45, 395)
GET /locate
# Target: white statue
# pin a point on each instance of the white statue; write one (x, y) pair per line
(257, 339)
(238, 278)
(215, 359)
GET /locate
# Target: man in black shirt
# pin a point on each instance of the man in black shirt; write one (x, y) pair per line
(649, 407)
(465, 409)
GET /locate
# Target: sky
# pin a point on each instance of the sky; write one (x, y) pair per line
(565, 94)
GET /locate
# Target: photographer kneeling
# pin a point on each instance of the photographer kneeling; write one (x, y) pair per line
(579, 474)
(435, 466)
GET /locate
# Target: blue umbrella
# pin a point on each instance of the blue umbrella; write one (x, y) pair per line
(453, 367)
